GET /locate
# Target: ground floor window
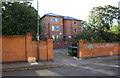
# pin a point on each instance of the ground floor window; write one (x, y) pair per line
(56, 37)
(56, 28)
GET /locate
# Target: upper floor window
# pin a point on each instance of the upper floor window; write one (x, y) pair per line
(75, 30)
(54, 19)
(53, 28)
(75, 22)
(57, 28)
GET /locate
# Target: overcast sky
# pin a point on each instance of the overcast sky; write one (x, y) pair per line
(75, 8)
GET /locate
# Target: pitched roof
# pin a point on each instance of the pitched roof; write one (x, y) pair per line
(71, 18)
(51, 14)
(64, 17)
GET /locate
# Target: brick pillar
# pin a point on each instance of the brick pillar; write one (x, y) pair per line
(1, 51)
(50, 49)
(79, 49)
(29, 53)
(43, 50)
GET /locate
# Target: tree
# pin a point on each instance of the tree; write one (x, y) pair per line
(101, 18)
(115, 29)
(85, 26)
(18, 18)
(100, 27)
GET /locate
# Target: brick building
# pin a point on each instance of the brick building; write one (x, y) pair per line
(61, 28)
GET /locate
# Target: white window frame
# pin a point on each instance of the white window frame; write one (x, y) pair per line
(53, 28)
(56, 28)
(56, 19)
(52, 19)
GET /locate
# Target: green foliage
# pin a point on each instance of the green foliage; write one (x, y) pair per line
(18, 18)
(101, 18)
(85, 26)
(96, 36)
(100, 27)
(115, 29)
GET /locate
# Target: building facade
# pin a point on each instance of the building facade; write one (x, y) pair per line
(61, 28)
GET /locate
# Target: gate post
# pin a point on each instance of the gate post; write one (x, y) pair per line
(50, 53)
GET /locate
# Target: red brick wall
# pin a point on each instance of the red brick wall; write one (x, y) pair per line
(43, 50)
(50, 49)
(0, 48)
(66, 28)
(99, 49)
(47, 25)
(13, 48)
(29, 52)
(20, 48)
(69, 27)
(34, 49)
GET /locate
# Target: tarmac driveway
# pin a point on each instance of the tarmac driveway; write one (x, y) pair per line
(61, 55)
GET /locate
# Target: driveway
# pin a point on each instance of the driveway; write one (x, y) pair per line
(99, 66)
(61, 55)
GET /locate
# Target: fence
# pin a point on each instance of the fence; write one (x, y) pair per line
(97, 49)
(22, 48)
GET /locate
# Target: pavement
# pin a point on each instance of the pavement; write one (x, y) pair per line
(22, 66)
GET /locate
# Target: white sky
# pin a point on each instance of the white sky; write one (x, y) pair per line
(75, 8)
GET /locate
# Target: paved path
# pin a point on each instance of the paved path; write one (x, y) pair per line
(100, 66)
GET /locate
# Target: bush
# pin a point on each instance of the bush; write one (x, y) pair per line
(96, 36)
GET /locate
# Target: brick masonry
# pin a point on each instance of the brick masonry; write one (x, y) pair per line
(67, 28)
(97, 49)
(21, 48)
(47, 26)
(62, 44)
